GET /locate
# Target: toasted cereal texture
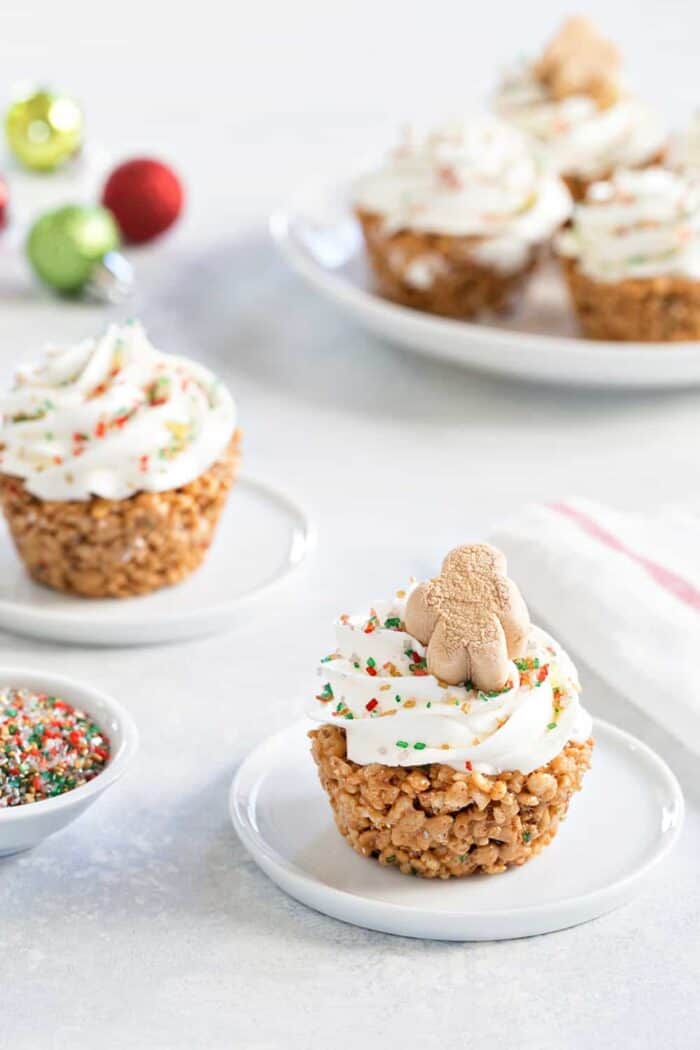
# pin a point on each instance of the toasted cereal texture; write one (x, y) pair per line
(436, 822)
(101, 548)
(578, 185)
(436, 272)
(648, 310)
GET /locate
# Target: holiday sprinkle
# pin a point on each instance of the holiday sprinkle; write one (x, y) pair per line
(47, 747)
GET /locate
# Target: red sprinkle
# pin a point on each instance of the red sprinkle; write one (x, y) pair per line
(372, 704)
(468, 765)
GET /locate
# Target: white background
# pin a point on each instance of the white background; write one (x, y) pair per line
(145, 925)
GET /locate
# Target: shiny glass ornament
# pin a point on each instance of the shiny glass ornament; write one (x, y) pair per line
(44, 129)
(73, 249)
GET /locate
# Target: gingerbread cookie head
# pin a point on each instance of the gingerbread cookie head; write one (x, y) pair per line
(579, 61)
(471, 617)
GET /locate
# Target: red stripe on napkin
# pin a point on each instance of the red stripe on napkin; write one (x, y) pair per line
(670, 581)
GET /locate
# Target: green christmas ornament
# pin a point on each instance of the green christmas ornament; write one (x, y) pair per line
(73, 249)
(44, 129)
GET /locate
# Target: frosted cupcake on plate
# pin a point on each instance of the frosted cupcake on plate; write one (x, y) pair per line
(452, 735)
(574, 105)
(115, 464)
(632, 257)
(453, 222)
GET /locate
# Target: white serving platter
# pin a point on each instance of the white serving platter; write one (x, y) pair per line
(321, 240)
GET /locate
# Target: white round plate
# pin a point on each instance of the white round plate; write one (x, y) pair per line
(626, 818)
(262, 536)
(321, 240)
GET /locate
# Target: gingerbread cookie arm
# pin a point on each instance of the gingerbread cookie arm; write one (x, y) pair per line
(420, 618)
(515, 620)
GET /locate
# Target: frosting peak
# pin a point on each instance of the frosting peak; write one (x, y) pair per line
(377, 686)
(113, 416)
(573, 133)
(637, 224)
(477, 179)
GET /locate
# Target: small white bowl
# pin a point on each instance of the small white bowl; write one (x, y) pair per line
(22, 827)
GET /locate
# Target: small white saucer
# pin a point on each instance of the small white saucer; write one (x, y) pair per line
(320, 239)
(262, 536)
(624, 821)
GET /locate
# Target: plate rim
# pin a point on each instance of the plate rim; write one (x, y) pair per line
(385, 314)
(607, 896)
(46, 619)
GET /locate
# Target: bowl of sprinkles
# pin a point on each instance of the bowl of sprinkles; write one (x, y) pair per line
(62, 743)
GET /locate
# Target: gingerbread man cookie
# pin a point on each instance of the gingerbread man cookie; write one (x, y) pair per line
(471, 617)
(579, 61)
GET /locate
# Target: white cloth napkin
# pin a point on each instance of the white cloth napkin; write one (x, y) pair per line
(622, 591)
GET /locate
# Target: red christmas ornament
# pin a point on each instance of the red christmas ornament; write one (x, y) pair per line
(4, 200)
(145, 196)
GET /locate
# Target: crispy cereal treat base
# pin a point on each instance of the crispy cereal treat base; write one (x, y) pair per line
(436, 822)
(647, 310)
(455, 285)
(101, 548)
(578, 185)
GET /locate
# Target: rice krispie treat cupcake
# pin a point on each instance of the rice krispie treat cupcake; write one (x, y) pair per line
(452, 736)
(632, 257)
(116, 461)
(573, 104)
(453, 223)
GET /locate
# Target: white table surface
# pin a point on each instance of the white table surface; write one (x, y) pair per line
(146, 925)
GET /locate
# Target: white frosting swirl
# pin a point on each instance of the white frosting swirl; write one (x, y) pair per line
(637, 224)
(113, 416)
(684, 155)
(376, 687)
(574, 134)
(477, 180)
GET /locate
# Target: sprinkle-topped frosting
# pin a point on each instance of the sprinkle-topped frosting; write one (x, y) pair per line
(574, 134)
(477, 180)
(377, 687)
(637, 224)
(113, 416)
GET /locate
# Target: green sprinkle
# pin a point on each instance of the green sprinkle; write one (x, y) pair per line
(402, 743)
(526, 836)
(349, 716)
(393, 622)
(419, 746)
(371, 662)
(493, 692)
(429, 704)
(397, 698)
(552, 725)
